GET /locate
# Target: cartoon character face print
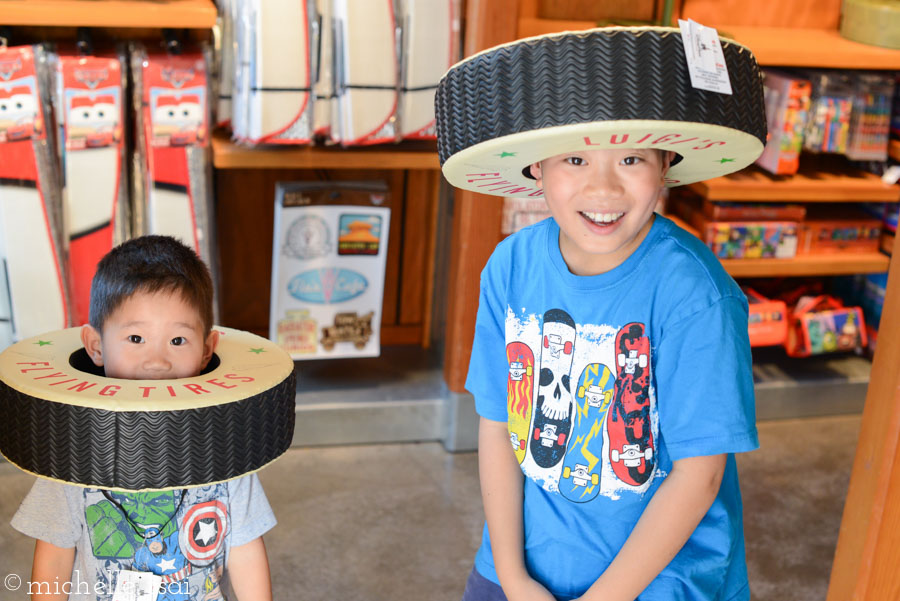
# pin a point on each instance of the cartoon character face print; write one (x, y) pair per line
(165, 116)
(106, 117)
(18, 113)
(189, 113)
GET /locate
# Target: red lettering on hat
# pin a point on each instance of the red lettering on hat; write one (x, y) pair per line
(146, 390)
(215, 382)
(62, 382)
(612, 139)
(32, 363)
(710, 145)
(110, 390)
(665, 138)
(196, 389)
(81, 386)
(685, 140)
(34, 369)
(171, 390)
(238, 378)
(58, 374)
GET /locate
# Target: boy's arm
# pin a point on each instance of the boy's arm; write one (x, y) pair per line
(667, 523)
(248, 571)
(501, 493)
(50, 569)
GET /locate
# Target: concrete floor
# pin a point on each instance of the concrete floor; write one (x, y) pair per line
(402, 521)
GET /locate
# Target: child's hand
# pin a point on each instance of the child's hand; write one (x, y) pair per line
(527, 589)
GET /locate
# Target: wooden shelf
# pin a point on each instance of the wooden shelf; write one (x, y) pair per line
(408, 155)
(801, 265)
(817, 183)
(190, 14)
(894, 150)
(772, 46)
(823, 48)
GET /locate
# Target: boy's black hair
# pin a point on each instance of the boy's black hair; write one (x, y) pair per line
(150, 264)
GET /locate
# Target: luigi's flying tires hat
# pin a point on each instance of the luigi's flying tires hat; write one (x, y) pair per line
(61, 419)
(502, 110)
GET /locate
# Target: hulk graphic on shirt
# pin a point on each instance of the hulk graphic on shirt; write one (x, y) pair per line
(114, 538)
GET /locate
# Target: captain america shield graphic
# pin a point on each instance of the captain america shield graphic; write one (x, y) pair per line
(202, 534)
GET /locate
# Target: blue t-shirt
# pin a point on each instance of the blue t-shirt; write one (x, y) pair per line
(604, 381)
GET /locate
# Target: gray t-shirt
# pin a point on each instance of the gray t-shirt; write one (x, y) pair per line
(183, 535)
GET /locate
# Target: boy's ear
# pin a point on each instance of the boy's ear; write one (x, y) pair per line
(90, 338)
(209, 346)
(667, 162)
(536, 173)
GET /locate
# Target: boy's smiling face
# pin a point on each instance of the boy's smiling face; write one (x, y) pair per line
(603, 202)
(151, 336)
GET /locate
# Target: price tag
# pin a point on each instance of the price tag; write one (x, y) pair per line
(706, 62)
(136, 586)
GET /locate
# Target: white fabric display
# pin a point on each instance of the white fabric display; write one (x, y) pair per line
(226, 61)
(429, 48)
(368, 68)
(325, 108)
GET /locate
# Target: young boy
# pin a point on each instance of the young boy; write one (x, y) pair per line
(611, 364)
(150, 318)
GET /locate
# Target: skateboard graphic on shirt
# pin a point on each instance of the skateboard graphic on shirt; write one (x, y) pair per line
(553, 409)
(631, 451)
(519, 389)
(583, 463)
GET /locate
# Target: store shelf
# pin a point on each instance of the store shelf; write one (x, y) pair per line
(801, 265)
(190, 14)
(408, 155)
(818, 182)
(772, 46)
(825, 48)
(894, 150)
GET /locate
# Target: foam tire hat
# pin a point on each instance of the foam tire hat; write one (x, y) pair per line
(61, 420)
(508, 107)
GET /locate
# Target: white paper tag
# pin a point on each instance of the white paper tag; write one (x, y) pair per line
(136, 586)
(706, 62)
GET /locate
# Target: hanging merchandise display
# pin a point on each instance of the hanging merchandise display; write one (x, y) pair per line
(367, 71)
(31, 248)
(325, 99)
(173, 168)
(90, 93)
(225, 42)
(429, 34)
(328, 265)
(276, 75)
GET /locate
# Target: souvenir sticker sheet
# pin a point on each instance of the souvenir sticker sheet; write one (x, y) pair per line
(328, 279)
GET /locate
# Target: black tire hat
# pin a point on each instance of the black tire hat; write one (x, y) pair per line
(508, 107)
(61, 420)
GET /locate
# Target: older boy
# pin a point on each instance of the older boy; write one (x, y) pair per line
(150, 318)
(611, 364)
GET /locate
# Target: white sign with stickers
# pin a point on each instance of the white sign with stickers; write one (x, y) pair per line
(328, 278)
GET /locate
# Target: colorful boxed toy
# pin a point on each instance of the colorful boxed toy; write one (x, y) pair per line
(749, 239)
(743, 211)
(787, 108)
(821, 324)
(768, 322)
(832, 230)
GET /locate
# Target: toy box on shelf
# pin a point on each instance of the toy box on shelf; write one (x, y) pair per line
(828, 230)
(822, 324)
(768, 323)
(787, 108)
(735, 231)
